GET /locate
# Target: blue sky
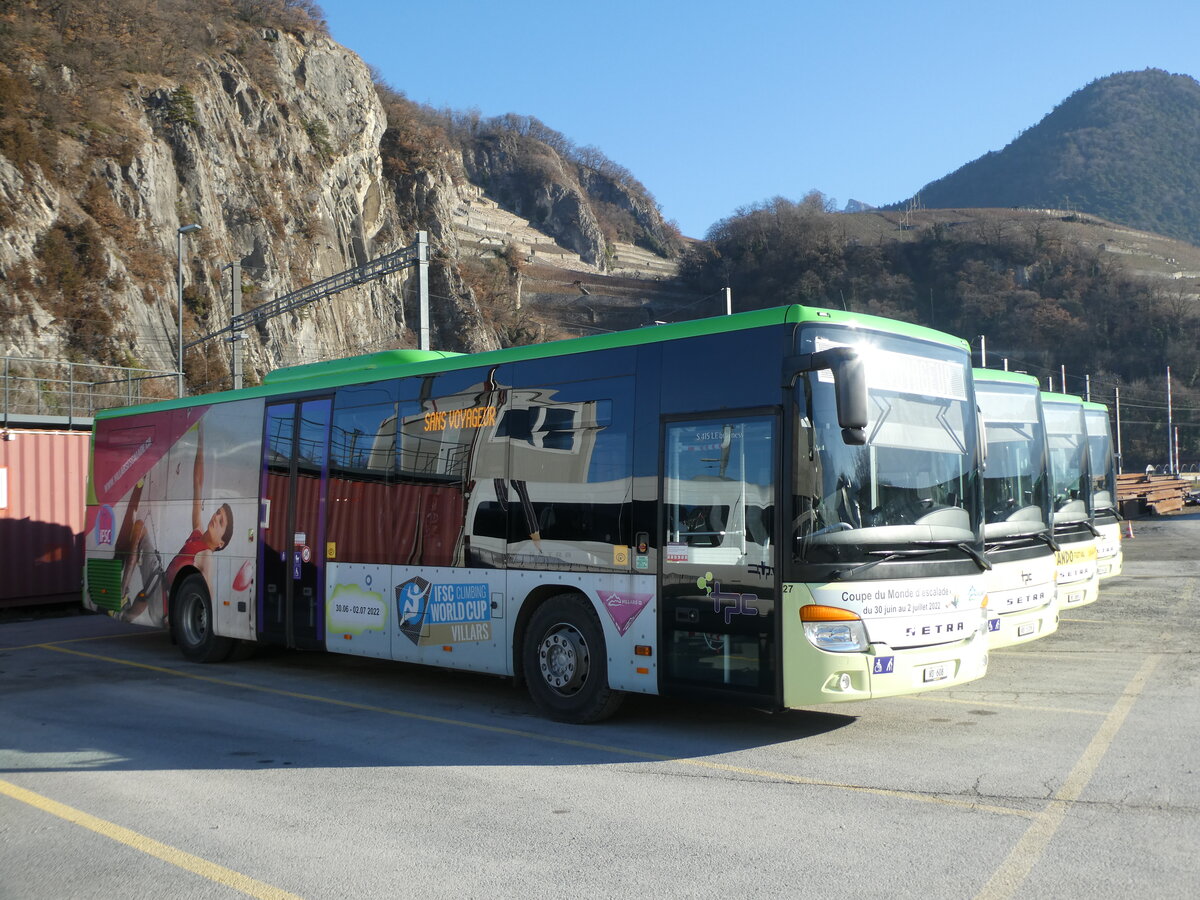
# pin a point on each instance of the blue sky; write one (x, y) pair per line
(716, 106)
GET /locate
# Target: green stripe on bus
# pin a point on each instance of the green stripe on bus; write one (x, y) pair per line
(377, 367)
(998, 376)
(1067, 399)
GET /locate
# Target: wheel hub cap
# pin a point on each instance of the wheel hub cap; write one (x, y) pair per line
(563, 658)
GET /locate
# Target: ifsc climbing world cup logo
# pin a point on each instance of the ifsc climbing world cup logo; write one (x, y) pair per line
(106, 522)
(412, 604)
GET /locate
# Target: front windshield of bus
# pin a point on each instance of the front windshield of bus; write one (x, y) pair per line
(1014, 481)
(914, 481)
(1103, 465)
(1068, 462)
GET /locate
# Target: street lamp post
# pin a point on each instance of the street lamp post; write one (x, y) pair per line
(183, 229)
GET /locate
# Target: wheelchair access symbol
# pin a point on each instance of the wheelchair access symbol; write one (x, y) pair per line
(883, 665)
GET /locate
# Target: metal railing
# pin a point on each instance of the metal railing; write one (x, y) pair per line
(41, 391)
(38, 391)
(327, 287)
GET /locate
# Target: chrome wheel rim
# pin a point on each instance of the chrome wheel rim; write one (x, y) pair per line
(194, 621)
(564, 659)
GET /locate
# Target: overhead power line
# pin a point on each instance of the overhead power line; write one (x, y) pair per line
(415, 255)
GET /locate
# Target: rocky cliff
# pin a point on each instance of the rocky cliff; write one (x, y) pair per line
(275, 140)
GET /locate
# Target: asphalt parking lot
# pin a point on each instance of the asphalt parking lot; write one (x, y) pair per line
(1069, 772)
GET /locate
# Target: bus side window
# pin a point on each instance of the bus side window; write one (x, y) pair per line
(719, 480)
(569, 474)
(362, 487)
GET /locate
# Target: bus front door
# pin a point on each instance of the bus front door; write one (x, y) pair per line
(291, 608)
(718, 573)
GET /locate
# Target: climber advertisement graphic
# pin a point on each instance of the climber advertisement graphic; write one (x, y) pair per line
(163, 503)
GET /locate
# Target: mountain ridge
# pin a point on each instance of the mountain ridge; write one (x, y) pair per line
(1125, 147)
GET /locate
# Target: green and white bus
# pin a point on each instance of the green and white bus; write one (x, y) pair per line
(1071, 483)
(1110, 558)
(1018, 533)
(779, 508)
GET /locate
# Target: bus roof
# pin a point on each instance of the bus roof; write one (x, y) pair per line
(396, 363)
(1094, 406)
(997, 376)
(1068, 399)
(353, 365)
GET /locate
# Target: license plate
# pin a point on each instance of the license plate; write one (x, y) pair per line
(1025, 629)
(1076, 596)
(1103, 570)
(940, 672)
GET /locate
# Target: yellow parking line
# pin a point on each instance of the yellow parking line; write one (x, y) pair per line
(999, 704)
(97, 637)
(860, 789)
(1047, 653)
(1007, 880)
(166, 853)
(569, 742)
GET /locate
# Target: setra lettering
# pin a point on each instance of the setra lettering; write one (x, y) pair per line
(931, 630)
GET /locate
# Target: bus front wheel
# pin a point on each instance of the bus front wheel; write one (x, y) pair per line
(192, 623)
(566, 664)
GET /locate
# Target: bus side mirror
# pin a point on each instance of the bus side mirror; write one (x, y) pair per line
(849, 386)
(981, 436)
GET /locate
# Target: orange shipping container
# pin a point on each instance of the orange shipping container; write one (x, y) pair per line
(43, 476)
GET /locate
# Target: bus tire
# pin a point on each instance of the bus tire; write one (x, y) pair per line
(192, 623)
(566, 664)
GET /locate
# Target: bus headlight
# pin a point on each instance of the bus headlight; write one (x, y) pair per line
(833, 628)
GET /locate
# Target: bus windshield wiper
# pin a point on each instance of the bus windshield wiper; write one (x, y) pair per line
(965, 547)
(1010, 540)
(1049, 539)
(884, 556)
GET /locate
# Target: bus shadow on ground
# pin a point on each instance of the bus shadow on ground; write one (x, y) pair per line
(142, 707)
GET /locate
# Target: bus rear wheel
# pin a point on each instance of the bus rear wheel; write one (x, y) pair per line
(565, 662)
(192, 623)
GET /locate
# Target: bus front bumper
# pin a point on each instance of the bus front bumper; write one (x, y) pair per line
(818, 676)
(1074, 594)
(1110, 566)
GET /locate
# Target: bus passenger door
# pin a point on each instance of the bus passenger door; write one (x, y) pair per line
(291, 554)
(718, 557)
